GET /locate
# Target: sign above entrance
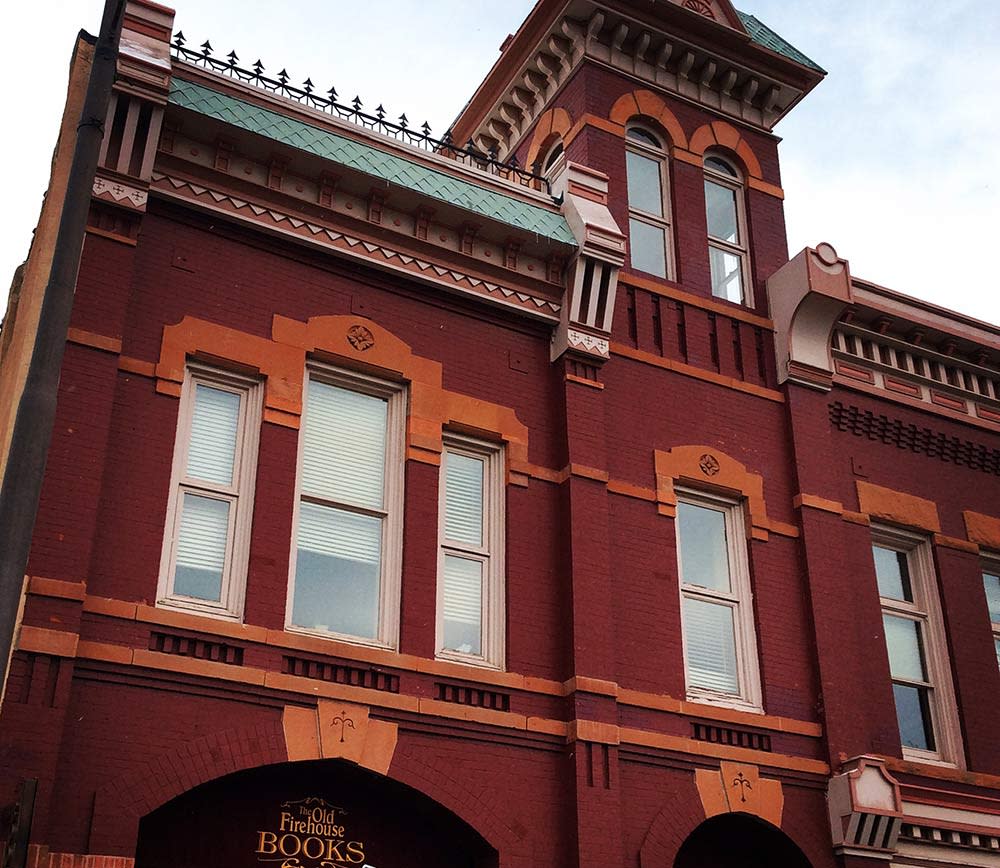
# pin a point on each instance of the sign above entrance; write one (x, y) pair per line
(310, 833)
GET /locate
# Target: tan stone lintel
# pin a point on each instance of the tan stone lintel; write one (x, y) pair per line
(42, 587)
(583, 684)
(722, 751)
(112, 236)
(984, 530)
(898, 507)
(583, 381)
(93, 340)
(950, 542)
(406, 662)
(583, 730)
(697, 373)
(719, 713)
(137, 366)
(39, 640)
(592, 730)
(812, 501)
(942, 773)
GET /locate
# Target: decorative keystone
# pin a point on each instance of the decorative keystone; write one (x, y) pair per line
(808, 296)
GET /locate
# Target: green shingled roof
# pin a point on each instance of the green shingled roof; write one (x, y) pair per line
(371, 160)
(764, 35)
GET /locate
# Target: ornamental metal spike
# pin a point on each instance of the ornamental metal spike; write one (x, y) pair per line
(512, 162)
(356, 102)
(233, 58)
(425, 128)
(258, 68)
(470, 146)
(403, 121)
(332, 93)
(493, 153)
(283, 77)
(446, 138)
(179, 39)
(308, 85)
(206, 48)
(380, 112)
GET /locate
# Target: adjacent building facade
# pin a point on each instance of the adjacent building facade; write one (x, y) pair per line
(509, 499)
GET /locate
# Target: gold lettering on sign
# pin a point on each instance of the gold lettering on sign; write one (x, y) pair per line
(310, 833)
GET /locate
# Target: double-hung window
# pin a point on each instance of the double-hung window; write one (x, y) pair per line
(991, 579)
(727, 237)
(914, 637)
(648, 203)
(470, 597)
(348, 526)
(204, 562)
(720, 648)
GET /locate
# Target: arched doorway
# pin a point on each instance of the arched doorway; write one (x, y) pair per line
(739, 840)
(322, 814)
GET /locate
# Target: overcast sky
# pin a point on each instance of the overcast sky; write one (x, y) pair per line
(893, 158)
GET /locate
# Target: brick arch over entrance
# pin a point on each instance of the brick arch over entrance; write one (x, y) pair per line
(123, 801)
(678, 818)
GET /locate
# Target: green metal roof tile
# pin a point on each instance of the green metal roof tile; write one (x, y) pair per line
(763, 35)
(370, 160)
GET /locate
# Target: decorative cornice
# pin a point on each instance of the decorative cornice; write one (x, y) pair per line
(690, 68)
(375, 253)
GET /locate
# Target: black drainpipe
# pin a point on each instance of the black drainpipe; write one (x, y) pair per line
(32, 433)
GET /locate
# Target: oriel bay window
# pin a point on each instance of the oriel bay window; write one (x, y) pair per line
(204, 562)
(470, 603)
(720, 648)
(727, 237)
(911, 617)
(348, 525)
(650, 245)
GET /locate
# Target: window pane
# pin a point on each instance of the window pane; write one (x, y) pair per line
(704, 553)
(720, 166)
(214, 422)
(711, 646)
(992, 582)
(642, 136)
(914, 715)
(344, 445)
(906, 653)
(892, 570)
(201, 547)
(647, 247)
(997, 643)
(464, 498)
(727, 275)
(644, 192)
(463, 605)
(337, 570)
(720, 203)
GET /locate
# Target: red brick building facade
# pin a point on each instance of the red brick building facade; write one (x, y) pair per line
(510, 503)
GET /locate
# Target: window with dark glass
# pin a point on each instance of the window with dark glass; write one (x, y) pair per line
(991, 581)
(911, 618)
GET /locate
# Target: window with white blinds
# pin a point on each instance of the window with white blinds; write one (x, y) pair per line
(470, 567)
(209, 511)
(346, 551)
(720, 647)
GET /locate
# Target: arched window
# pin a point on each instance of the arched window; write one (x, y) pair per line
(555, 152)
(727, 236)
(650, 244)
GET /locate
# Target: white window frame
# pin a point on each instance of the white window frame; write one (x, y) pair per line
(740, 599)
(491, 553)
(240, 493)
(991, 565)
(390, 576)
(742, 250)
(665, 221)
(926, 611)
